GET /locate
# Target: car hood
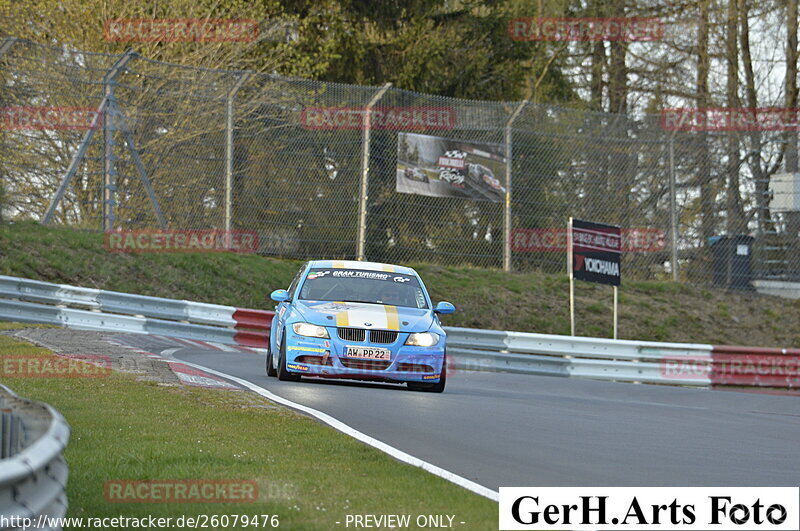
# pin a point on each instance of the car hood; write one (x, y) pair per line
(363, 315)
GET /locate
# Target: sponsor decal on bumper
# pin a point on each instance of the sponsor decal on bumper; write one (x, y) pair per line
(308, 349)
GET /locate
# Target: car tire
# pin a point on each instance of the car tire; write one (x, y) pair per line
(437, 387)
(271, 371)
(283, 374)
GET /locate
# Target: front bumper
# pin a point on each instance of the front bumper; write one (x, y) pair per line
(309, 356)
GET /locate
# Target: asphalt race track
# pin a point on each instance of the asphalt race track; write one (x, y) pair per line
(500, 429)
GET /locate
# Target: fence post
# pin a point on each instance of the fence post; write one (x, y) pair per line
(109, 171)
(362, 202)
(229, 152)
(673, 208)
(72, 168)
(102, 109)
(109, 168)
(8, 42)
(507, 203)
(137, 161)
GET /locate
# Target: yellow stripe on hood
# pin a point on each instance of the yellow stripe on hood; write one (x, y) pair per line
(342, 319)
(392, 318)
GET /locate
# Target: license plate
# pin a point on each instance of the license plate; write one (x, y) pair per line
(368, 353)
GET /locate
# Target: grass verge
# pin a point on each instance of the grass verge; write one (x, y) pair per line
(485, 298)
(308, 474)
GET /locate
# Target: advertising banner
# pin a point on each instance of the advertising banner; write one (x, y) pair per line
(596, 250)
(444, 167)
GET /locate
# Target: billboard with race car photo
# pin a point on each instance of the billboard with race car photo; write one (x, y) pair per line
(446, 167)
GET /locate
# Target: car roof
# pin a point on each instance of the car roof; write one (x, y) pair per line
(369, 266)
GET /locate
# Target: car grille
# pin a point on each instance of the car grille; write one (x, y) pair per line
(365, 365)
(352, 334)
(383, 336)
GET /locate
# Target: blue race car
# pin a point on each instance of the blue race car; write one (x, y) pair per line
(358, 320)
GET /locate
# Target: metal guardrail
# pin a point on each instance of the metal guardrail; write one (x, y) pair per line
(33, 472)
(685, 364)
(576, 357)
(33, 301)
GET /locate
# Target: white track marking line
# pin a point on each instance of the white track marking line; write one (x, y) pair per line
(182, 342)
(222, 346)
(203, 344)
(363, 437)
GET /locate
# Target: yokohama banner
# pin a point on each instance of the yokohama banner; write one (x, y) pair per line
(596, 250)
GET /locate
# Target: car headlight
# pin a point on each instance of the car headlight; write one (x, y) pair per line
(422, 339)
(310, 330)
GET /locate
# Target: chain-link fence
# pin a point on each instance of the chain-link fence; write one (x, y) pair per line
(190, 148)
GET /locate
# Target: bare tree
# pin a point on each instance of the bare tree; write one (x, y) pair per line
(733, 200)
(703, 99)
(760, 173)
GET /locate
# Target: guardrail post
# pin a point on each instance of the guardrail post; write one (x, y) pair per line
(362, 202)
(229, 153)
(507, 203)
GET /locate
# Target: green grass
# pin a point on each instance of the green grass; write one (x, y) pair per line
(308, 474)
(16, 326)
(485, 298)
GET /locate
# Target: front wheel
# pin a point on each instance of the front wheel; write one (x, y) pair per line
(283, 374)
(437, 387)
(271, 371)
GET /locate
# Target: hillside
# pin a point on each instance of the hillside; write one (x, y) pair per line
(535, 302)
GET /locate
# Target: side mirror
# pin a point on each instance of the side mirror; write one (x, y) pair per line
(279, 295)
(444, 308)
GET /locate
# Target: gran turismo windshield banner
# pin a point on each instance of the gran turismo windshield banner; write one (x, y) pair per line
(359, 273)
(447, 167)
(358, 285)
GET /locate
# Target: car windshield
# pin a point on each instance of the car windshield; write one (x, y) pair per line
(356, 285)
